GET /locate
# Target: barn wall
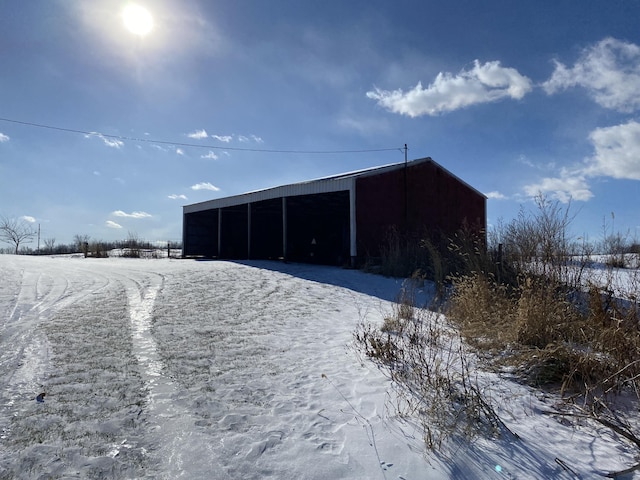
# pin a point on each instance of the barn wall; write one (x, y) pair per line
(311, 221)
(379, 208)
(435, 202)
(442, 202)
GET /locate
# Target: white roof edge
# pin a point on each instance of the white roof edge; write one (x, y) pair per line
(295, 189)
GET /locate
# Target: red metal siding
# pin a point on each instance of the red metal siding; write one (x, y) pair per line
(437, 203)
(379, 207)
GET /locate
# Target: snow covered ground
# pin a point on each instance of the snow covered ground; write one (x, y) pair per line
(233, 370)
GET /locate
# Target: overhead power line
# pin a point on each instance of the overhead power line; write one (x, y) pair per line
(195, 145)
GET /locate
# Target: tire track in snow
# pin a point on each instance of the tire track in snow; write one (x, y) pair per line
(39, 295)
(24, 349)
(182, 450)
(37, 301)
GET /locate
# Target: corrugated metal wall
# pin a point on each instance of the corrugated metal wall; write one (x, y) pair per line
(424, 200)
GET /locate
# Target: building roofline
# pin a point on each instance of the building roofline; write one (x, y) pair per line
(342, 181)
(448, 172)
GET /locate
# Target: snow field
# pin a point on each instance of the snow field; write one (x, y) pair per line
(170, 369)
(95, 396)
(237, 370)
(254, 365)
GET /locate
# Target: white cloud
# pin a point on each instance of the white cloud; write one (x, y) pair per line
(223, 138)
(111, 142)
(177, 197)
(198, 134)
(111, 224)
(205, 186)
(617, 152)
(495, 195)
(108, 141)
(616, 155)
(363, 124)
(179, 151)
(609, 70)
(568, 186)
(257, 139)
(4, 138)
(243, 139)
(211, 155)
(28, 218)
(120, 213)
(484, 83)
(524, 160)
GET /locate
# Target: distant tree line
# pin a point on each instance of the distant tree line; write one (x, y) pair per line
(20, 235)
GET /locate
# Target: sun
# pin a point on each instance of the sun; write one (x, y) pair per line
(137, 19)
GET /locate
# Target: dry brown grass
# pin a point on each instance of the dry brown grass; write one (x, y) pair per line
(587, 346)
(431, 369)
(524, 303)
(484, 311)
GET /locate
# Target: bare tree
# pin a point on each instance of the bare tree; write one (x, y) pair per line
(49, 243)
(82, 243)
(540, 238)
(16, 231)
(133, 245)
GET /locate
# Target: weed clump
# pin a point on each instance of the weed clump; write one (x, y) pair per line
(432, 371)
(527, 301)
(559, 324)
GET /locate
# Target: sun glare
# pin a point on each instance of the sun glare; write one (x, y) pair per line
(137, 19)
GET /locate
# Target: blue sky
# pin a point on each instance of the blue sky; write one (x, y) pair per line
(516, 98)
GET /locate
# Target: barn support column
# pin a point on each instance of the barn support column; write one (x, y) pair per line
(184, 234)
(219, 232)
(352, 223)
(284, 228)
(249, 231)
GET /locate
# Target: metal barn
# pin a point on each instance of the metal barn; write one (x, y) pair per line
(334, 220)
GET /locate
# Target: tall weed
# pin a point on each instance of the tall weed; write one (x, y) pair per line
(551, 317)
(433, 372)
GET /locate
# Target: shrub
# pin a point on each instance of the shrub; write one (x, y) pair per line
(586, 345)
(402, 256)
(435, 257)
(432, 372)
(545, 316)
(132, 246)
(484, 311)
(96, 250)
(528, 302)
(543, 313)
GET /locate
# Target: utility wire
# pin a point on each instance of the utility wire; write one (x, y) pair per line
(196, 145)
